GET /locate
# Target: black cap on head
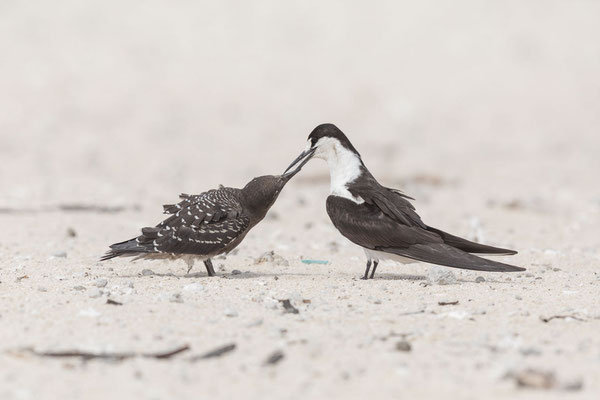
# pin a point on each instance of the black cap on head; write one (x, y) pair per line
(332, 131)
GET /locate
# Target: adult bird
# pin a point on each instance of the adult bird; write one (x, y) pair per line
(203, 226)
(382, 220)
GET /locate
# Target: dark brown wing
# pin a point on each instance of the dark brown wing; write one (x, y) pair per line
(370, 227)
(396, 205)
(203, 224)
(391, 202)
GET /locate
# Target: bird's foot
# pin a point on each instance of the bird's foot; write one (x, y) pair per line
(366, 276)
(375, 264)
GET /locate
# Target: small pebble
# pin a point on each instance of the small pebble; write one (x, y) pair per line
(530, 351)
(236, 272)
(289, 307)
(440, 276)
(479, 279)
(79, 288)
(60, 254)
(100, 282)
(274, 358)
(176, 298)
(271, 257)
(529, 275)
(230, 313)
(147, 272)
(535, 379)
(95, 293)
(256, 322)
(403, 345)
(71, 232)
(42, 289)
(518, 297)
(573, 386)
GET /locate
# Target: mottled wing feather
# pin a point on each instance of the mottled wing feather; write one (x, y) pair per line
(199, 224)
(211, 206)
(209, 238)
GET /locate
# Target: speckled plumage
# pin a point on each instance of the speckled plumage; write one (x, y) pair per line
(205, 225)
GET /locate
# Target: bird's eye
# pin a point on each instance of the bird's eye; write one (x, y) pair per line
(313, 141)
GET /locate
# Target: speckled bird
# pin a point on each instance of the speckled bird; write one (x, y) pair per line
(203, 226)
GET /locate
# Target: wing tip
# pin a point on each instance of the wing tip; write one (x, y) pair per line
(108, 255)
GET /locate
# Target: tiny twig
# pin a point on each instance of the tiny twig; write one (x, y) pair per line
(108, 356)
(548, 319)
(218, 352)
(274, 358)
(411, 313)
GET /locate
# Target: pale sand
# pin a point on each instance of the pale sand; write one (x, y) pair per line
(487, 115)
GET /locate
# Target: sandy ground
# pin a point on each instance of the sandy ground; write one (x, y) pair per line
(487, 114)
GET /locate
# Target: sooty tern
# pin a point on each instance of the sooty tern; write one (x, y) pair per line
(382, 220)
(206, 225)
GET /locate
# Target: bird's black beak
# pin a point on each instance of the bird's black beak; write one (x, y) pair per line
(300, 161)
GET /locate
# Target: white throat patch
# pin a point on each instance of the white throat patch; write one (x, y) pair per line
(344, 166)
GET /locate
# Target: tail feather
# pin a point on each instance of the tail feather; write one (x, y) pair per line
(468, 246)
(127, 248)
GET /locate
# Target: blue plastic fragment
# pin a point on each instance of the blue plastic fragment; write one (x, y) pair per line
(315, 261)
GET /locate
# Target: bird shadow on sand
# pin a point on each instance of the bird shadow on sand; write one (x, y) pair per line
(399, 277)
(227, 275)
(251, 275)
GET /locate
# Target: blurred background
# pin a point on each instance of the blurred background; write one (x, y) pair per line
(117, 102)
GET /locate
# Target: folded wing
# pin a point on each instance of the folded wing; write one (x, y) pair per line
(369, 226)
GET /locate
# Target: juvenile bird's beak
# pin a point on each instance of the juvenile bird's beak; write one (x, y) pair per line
(300, 161)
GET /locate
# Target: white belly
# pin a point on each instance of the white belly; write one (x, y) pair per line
(380, 255)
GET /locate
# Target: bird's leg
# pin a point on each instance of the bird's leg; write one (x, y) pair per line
(375, 264)
(190, 263)
(209, 267)
(367, 270)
